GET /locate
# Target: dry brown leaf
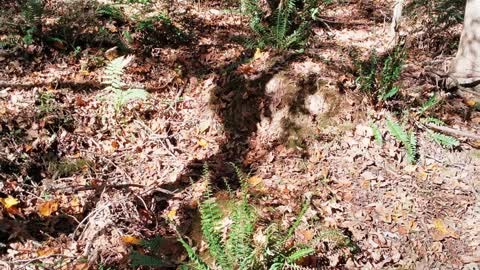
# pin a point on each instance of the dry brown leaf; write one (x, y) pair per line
(131, 240)
(47, 208)
(47, 251)
(115, 145)
(254, 180)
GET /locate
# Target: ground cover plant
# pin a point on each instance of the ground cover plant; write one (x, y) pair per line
(354, 147)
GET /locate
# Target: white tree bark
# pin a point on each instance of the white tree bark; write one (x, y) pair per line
(465, 68)
(396, 21)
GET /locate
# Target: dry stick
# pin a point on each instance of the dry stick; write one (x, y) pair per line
(454, 132)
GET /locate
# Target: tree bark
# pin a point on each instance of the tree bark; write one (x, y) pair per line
(465, 68)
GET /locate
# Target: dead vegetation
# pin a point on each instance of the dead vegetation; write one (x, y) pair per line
(87, 184)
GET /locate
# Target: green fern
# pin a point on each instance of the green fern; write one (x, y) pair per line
(299, 254)
(376, 133)
(32, 13)
(392, 68)
(431, 102)
(210, 221)
(239, 243)
(289, 26)
(432, 120)
(237, 250)
(197, 262)
(113, 78)
(408, 140)
(442, 139)
(137, 259)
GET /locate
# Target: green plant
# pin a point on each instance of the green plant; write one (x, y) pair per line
(237, 251)
(442, 13)
(408, 140)
(153, 245)
(113, 78)
(289, 25)
(381, 85)
(47, 102)
(441, 139)
(32, 13)
(376, 133)
(160, 27)
(111, 12)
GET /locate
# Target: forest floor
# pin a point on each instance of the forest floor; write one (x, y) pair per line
(85, 182)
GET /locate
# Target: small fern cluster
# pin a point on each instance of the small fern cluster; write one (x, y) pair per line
(408, 139)
(113, 78)
(32, 13)
(381, 84)
(237, 250)
(289, 25)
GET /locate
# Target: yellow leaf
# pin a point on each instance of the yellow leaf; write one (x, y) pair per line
(47, 251)
(132, 240)
(202, 143)
(258, 54)
(9, 201)
(172, 214)
(440, 226)
(254, 180)
(48, 208)
(471, 103)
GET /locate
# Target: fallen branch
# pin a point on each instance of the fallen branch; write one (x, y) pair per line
(454, 132)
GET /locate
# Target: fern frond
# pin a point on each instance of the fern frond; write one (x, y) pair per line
(443, 140)
(239, 243)
(409, 141)
(211, 216)
(431, 102)
(299, 254)
(295, 225)
(376, 133)
(114, 71)
(432, 120)
(292, 266)
(197, 261)
(138, 259)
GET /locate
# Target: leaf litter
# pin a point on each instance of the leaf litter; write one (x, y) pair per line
(82, 184)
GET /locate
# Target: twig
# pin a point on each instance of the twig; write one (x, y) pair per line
(454, 132)
(27, 261)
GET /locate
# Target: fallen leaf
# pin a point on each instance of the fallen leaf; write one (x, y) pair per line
(471, 103)
(47, 208)
(115, 145)
(9, 201)
(254, 180)
(441, 231)
(203, 143)
(111, 53)
(307, 235)
(79, 101)
(75, 205)
(203, 126)
(172, 214)
(81, 266)
(14, 211)
(258, 54)
(47, 251)
(131, 240)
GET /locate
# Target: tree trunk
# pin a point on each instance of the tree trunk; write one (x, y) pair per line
(465, 68)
